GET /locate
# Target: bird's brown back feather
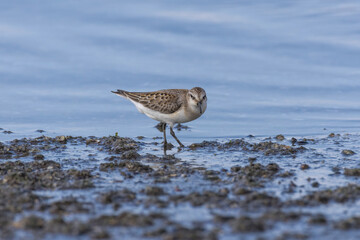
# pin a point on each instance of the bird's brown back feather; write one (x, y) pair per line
(164, 101)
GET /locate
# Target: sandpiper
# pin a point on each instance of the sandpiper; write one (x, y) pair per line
(169, 106)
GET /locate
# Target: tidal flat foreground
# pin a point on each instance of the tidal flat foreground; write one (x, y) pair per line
(277, 187)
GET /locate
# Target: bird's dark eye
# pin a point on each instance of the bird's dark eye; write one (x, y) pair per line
(192, 97)
(204, 97)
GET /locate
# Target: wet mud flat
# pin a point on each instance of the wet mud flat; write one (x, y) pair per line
(277, 187)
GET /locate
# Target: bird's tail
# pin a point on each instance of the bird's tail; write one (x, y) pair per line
(121, 93)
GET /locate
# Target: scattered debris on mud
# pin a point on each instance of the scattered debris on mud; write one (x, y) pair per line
(266, 147)
(101, 187)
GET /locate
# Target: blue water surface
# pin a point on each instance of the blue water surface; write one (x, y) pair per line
(269, 67)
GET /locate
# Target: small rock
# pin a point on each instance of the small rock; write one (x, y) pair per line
(302, 142)
(347, 152)
(154, 191)
(235, 168)
(39, 157)
(61, 139)
(304, 166)
(212, 177)
(126, 219)
(162, 179)
(292, 235)
(273, 167)
(131, 154)
(286, 174)
(317, 219)
(350, 223)
(315, 184)
(247, 224)
(241, 191)
(352, 171)
(118, 196)
(280, 137)
(169, 146)
(180, 127)
(30, 222)
(92, 141)
(336, 170)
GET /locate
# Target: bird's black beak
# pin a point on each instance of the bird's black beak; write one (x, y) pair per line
(199, 104)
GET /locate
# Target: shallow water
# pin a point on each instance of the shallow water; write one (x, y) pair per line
(323, 155)
(268, 68)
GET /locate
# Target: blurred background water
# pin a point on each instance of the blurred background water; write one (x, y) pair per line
(268, 67)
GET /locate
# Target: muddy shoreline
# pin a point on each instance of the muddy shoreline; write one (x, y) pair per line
(254, 188)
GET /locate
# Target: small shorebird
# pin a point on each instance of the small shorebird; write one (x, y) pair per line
(169, 106)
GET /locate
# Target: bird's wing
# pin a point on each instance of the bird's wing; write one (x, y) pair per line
(164, 102)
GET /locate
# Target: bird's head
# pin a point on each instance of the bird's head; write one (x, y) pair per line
(197, 99)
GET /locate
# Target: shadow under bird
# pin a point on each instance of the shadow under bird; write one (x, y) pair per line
(169, 106)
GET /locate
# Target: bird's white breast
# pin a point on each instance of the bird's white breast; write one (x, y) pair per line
(180, 116)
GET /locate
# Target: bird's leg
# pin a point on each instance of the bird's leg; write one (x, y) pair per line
(173, 134)
(165, 142)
